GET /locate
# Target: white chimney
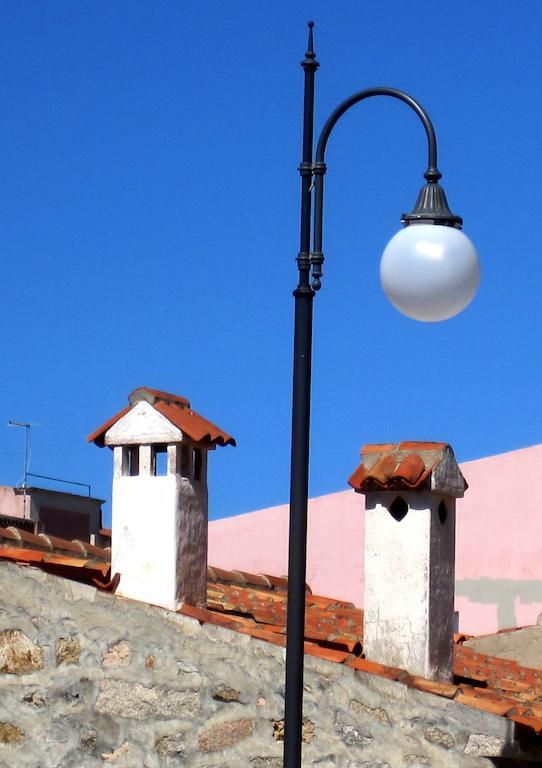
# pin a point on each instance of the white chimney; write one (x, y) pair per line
(160, 501)
(410, 491)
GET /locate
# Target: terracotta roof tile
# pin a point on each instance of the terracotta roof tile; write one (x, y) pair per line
(16, 538)
(494, 705)
(448, 690)
(403, 466)
(374, 668)
(177, 410)
(195, 426)
(152, 395)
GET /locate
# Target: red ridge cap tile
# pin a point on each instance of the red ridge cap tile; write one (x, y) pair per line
(20, 554)
(281, 583)
(533, 723)
(243, 578)
(235, 577)
(256, 579)
(11, 533)
(41, 542)
(57, 543)
(374, 668)
(377, 448)
(263, 634)
(495, 706)
(421, 445)
(70, 546)
(330, 654)
(532, 709)
(201, 614)
(204, 616)
(139, 393)
(448, 690)
(101, 552)
(36, 539)
(70, 567)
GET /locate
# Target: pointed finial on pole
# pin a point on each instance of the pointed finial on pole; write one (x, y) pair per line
(310, 48)
(310, 56)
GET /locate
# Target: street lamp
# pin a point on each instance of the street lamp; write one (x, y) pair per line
(429, 271)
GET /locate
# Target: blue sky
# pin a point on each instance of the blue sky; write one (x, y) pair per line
(150, 216)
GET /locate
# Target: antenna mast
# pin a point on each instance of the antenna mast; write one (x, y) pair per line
(26, 426)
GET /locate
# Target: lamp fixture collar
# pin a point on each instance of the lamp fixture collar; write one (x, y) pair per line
(431, 206)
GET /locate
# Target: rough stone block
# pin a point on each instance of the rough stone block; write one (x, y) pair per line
(119, 655)
(132, 700)
(416, 761)
(68, 650)
(224, 735)
(376, 713)
(436, 736)
(170, 746)
(18, 654)
(10, 734)
(352, 737)
(484, 745)
(369, 764)
(226, 694)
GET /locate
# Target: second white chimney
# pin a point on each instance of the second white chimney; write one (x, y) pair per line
(410, 491)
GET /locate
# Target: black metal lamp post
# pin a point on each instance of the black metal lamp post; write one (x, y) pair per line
(440, 278)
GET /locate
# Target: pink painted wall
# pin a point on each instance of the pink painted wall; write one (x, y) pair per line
(498, 554)
(11, 505)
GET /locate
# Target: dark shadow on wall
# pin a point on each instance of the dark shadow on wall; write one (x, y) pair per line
(502, 593)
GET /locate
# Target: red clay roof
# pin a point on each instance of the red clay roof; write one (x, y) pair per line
(177, 410)
(73, 559)
(256, 605)
(398, 466)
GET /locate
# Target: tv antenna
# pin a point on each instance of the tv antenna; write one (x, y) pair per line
(26, 427)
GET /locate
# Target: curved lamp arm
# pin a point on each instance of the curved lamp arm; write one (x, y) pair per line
(368, 93)
(431, 206)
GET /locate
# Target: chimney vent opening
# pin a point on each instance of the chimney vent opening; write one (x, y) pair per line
(130, 460)
(159, 460)
(398, 509)
(442, 512)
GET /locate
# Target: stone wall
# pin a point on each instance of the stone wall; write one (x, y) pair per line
(88, 679)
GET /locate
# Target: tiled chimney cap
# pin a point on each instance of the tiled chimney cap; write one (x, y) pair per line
(153, 396)
(177, 410)
(408, 466)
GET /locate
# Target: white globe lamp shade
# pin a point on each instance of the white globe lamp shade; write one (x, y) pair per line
(430, 272)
